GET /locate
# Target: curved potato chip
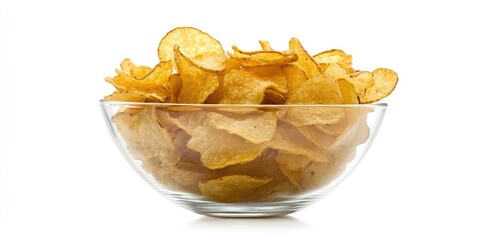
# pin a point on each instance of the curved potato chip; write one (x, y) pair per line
(187, 121)
(273, 97)
(295, 78)
(197, 82)
(219, 149)
(385, 80)
(144, 136)
(319, 138)
(265, 45)
(243, 87)
(232, 188)
(262, 57)
(155, 81)
(340, 126)
(301, 116)
(356, 133)
(335, 56)
(362, 80)
(287, 138)
(175, 86)
(256, 128)
(322, 89)
(133, 70)
(292, 166)
(335, 70)
(349, 95)
(134, 96)
(198, 46)
(305, 62)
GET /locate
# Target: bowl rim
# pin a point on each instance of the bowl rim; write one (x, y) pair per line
(216, 105)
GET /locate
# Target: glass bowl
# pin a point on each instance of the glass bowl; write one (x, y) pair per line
(242, 160)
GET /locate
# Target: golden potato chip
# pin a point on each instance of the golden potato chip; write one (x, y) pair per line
(287, 138)
(362, 80)
(256, 128)
(385, 80)
(273, 97)
(335, 56)
(134, 96)
(219, 149)
(336, 71)
(130, 69)
(175, 86)
(197, 82)
(154, 82)
(295, 78)
(349, 95)
(232, 188)
(265, 45)
(271, 74)
(244, 87)
(198, 46)
(144, 136)
(305, 62)
(262, 57)
(323, 89)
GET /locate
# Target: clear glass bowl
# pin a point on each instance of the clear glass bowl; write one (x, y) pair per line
(243, 160)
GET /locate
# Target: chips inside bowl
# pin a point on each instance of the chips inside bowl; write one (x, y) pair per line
(295, 122)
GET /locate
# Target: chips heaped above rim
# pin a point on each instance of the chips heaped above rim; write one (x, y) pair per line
(197, 82)
(196, 45)
(335, 56)
(305, 61)
(262, 57)
(385, 80)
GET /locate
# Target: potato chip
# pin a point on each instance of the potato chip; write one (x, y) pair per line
(349, 95)
(295, 77)
(256, 128)
(319, 138)
(262, 57)
(219, 149)
(175, 86)
(130, 69)
(232, 188)
(273, 97)
(199, 47)
(322, 89)
(339, 127)
(292, 165)
(305, 61)
(265, 45)
(336, 71)
(385, 80)
(362, 80)
(197, 82)
(187, 121)
(287, 138)
(356, 133)
(244, 87)
(145, 137)
(335, 56)
(301, 116)
(134, 96)
(155, 82)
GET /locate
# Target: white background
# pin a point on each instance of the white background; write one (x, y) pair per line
(62, 177)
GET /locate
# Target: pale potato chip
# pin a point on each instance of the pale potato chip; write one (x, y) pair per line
(385, 80)
(196, 45)
(262, 57)
(301, 116)
(335, 56)
(305, 62)
(323, 89)
(356, 133)
(197, 82)
(256, 128)
(232, 188)
(187, 120)
(219, 149)
(339, 127)
(349, 95)
(144, 136)
(287, 138)
(292, 166)
(319, 138)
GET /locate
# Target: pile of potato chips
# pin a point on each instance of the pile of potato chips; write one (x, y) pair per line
(247, 151)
